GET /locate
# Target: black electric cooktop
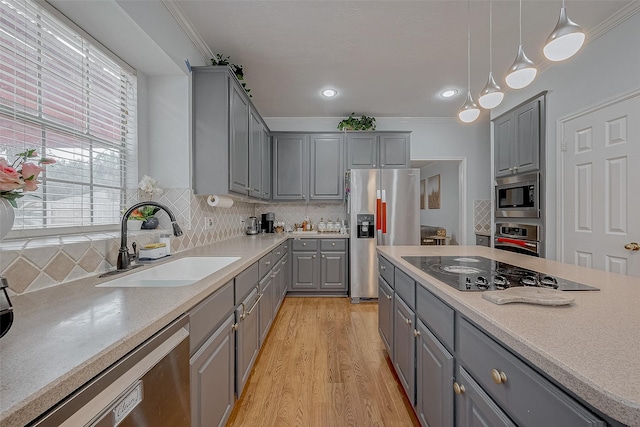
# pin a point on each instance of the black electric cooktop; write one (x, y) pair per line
(475, 273)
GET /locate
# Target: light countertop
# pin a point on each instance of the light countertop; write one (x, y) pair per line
(65, 335)
(591, 347)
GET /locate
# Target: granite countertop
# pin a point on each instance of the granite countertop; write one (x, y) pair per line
(590, 346)
(65, 335)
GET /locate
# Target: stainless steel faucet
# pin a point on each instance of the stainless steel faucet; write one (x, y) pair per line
(124, 258)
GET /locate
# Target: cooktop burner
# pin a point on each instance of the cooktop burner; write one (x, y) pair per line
(481, 274)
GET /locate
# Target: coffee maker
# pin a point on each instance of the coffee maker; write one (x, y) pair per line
(266, 225)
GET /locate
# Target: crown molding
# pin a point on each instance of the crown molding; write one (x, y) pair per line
(187, 27)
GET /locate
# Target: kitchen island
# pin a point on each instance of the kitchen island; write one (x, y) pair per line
(587, 347)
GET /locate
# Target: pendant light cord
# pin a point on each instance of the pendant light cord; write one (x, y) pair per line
(469, 45)
(520, 22)
(491, 39)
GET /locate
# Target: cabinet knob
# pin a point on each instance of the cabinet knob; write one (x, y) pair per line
(304, 244)
(234, 327)
(416, 333)
(498, 377)
(322, 255)
(314, 256)
(383, 268)
(267, 262)
(458, 389)
(389, 297)
(333, 244)
(408, 321)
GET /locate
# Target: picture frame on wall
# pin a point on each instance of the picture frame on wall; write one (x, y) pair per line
(433, 191)
(423, 194)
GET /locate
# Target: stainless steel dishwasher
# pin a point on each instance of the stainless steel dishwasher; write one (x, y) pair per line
(147, 388)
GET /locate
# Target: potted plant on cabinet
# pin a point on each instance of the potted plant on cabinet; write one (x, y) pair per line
(357, 123)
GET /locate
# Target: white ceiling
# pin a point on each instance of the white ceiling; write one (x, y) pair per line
(385, 58)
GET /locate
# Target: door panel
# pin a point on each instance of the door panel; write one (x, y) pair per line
(239, 162)
(600, 201)
(327, 167)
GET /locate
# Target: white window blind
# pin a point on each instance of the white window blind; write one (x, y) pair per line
(63, 97)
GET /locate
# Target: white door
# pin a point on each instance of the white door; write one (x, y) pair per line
(601, 193)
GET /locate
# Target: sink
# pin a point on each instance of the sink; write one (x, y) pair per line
(181, 272)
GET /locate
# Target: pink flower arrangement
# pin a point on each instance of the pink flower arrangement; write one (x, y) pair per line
(20, 176)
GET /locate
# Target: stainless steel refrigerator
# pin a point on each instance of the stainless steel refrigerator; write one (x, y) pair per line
(383, 206)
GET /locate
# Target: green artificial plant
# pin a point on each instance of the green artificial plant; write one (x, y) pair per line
(355, 123)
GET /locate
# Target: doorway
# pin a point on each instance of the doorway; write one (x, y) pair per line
(448, 209)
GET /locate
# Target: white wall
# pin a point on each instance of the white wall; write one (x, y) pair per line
(448, 216)
(431, 139)
(605, 67)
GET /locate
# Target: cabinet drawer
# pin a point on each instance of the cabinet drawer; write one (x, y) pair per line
(246, 281)
(207, 315)
(482, 240)
(305, 245)
(285, 247)
(528, 397)
(405, 287)
(265, 264)
(385, 268)
(277, 253)
(436, 315)
(333, 244)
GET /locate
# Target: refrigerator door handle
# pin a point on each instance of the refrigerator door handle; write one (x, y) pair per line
(378, 210)
(384, 212)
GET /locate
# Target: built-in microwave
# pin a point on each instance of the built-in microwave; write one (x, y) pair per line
(518, 196)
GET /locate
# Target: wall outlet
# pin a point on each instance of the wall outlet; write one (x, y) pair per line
(208, 223)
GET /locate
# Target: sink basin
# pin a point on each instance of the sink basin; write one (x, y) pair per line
(181, 272)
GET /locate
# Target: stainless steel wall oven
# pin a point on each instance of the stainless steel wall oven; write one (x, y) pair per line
(518, 196)
(521, 238)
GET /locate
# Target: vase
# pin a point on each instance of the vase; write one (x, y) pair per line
(7, 216)
(150, 223)
(133, 225)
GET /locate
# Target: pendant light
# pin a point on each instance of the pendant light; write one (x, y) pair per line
(469, 110)
(491, 96)
(522, 72)
(565, 40)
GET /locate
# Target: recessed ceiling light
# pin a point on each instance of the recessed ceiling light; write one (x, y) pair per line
(448, 93)
(329, 93)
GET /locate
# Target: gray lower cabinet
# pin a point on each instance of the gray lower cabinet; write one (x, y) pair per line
(434, 371)
(385, 314)
(404, 346)
(212, 378)
(378, 150)
(247, 338)
(285, 275)
(265, 307)
(475, 408)
(319, 266)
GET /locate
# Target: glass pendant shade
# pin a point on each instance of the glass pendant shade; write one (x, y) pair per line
(469, 111)
(565, 40)
(492, 95)
(522, 72)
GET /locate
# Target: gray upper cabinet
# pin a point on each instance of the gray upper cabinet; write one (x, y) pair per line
(227, 136)
(517, 139)
(394, 150)
(289, 167)
(326, 177)
(371, 150)
(308, 167)
(255, 155)
(266, 165)
(362, 151)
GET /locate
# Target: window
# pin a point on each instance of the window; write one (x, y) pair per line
(67, 99)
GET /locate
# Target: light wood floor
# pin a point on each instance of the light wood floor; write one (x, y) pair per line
(323, 364)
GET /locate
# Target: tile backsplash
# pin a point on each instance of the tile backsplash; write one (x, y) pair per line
(482, 216)
(33, 264)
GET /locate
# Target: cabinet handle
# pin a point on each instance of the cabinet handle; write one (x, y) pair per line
(273, 275)
(498, 377)
(389, 297)
(458, 389)
(267, 262)
(408, 321)
(277, 253)
(254, 304)
(234, 327)
(416, 333)
(304, 244)
(244, 313)
(383, 267)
